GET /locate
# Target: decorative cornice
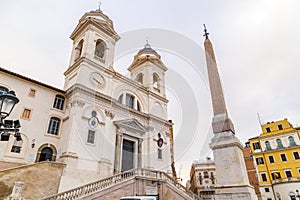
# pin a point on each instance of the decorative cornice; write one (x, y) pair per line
(78, 103)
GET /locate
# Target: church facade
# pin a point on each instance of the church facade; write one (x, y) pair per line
(101, 123)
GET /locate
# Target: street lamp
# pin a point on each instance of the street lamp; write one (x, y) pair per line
(292, 196)
(8, 101)
(297, 194)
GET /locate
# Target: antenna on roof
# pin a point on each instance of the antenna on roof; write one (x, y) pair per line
(258, 117)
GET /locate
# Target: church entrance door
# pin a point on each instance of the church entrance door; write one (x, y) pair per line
(127, 155)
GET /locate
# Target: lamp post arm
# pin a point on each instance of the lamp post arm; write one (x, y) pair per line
(9, 129)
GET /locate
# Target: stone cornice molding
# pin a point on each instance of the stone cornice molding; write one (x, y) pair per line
(114, 103)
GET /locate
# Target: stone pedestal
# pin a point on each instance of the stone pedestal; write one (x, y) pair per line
(16, 193)
(232, 178)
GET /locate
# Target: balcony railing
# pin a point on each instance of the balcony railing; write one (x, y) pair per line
(285, 180)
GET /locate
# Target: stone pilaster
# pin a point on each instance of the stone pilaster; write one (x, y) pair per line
(118, 153)
(140, 151)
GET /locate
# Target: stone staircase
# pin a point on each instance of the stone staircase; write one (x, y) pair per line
(98, 189)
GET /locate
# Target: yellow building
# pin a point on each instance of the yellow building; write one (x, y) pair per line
(276, 155)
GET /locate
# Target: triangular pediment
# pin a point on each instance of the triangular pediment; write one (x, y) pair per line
(131, 124)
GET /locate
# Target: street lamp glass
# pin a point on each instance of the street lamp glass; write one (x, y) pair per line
(7, 103)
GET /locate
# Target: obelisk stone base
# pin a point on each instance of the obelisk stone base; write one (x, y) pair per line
(232, 178)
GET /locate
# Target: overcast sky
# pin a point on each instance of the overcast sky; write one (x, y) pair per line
(256, 44)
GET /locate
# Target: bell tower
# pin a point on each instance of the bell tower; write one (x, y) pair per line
(148, 69)
(94, 40)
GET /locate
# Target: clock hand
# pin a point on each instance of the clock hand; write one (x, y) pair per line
(97, 81)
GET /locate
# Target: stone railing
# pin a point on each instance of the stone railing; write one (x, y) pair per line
(92, 187)
(162, 176)
(105, 183)
(285, 180)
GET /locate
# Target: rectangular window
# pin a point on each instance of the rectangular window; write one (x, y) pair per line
(296, 155)
(212, 177)
(263, 177)
(280, 127)
(271, 159)
(59, 102)
(54, 125)
(26, 113)
(91, 137)
(268, 129)
(256, 145)
(259, 161)
(31, 93)
(288, 174)
(276, 175)
(267, 190)
(200, 179)
(283, 157)
(159, 153)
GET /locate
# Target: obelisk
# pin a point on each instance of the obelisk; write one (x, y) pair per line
(231, 174)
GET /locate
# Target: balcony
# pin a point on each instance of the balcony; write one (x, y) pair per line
(286, 180)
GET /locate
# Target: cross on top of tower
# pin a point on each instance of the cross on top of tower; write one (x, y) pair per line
(99, 6)
(147, 45)
(205, 32)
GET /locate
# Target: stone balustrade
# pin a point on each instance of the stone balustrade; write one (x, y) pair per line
(285, 180)
(97, 186)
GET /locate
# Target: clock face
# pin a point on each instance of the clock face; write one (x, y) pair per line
(97, 79)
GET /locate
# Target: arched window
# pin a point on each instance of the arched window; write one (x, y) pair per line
(78, 50)
(279, 143)
(54, 125)
(292, 141)
(59, 102)
(46, 152)
(120, 99)
(100, 48)
(138, 106)
(268, 146)
(156, 84)
(139, 78)
(129, 100)
(3, 90)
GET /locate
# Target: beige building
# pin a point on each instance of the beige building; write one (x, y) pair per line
(102, 126)
(203, 178)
